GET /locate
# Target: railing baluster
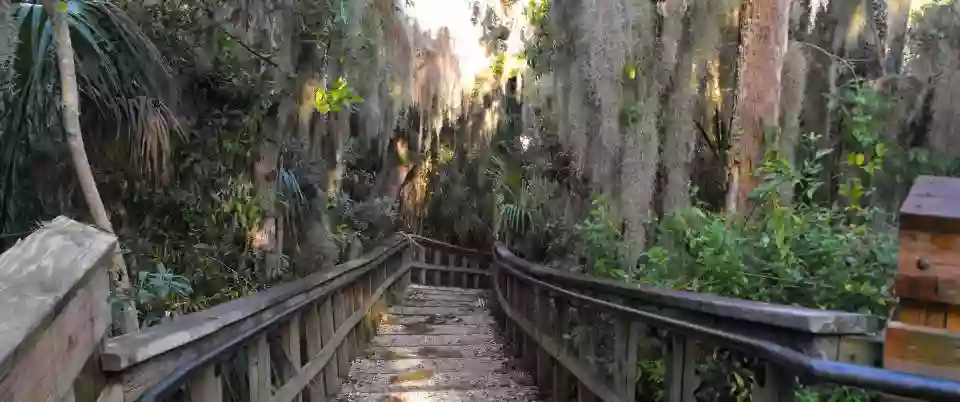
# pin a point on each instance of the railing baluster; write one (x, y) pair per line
(258, 369)
(290, 340)
(327, 328)
(438, 260)
(312, 324)
(777, 385)
(544, 315)
(206, 387)
(682, 379)
(340, 308)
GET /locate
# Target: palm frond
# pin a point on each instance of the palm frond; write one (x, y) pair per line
(125, 89)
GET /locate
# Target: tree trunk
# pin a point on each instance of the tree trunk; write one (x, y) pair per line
(898, 13)
(762, 49)
(120, 280)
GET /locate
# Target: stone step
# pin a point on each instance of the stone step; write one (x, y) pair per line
(521, 394)
(472, 364)
(431, 340)
(428, 379)
(423, 328)
(468, 351)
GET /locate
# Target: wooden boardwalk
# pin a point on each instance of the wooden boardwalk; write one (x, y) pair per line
(439, 344)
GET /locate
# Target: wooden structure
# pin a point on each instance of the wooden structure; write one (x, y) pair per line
(53, 312)
(924, 337)
(577, 338)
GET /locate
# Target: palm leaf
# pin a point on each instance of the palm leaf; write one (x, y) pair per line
(125, 88)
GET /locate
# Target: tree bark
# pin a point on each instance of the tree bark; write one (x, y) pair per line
(762, 50)
(70, 101)
(898, 13)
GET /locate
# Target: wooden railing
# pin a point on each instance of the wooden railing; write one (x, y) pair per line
(54, 312)
(586, 339)
(583, 339)
(292, 340)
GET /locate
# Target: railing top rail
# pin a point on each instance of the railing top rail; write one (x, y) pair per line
(448, 246)
(799, 319)
(799, 364)
(127, 350)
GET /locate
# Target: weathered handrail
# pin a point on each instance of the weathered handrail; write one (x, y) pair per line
(53, 311)
(335, 313)
(538, 310)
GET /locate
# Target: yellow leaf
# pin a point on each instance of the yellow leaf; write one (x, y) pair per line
(860, 159)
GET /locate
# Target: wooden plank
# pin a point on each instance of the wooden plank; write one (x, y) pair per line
(544, 365)
(911, 312)
(682, 380)
(443, 268)
(290, 340)
(42, 276)
(777, 385)
(43, 367)
(70, 396)
(953, 318)
(315, 365)
(561, 383)
(207, 386)
(327, 329)
(313, 323)
(922, 350)
(258, 369)
(631, 370)
(339, 316)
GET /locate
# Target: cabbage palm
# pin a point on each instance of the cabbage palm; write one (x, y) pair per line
(104, 63)
(123, 85)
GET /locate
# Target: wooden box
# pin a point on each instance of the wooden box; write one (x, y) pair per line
(924, 336)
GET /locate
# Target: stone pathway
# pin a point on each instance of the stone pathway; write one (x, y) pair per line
(438, 345)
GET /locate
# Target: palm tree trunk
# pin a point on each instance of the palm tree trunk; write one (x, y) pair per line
(71, 124)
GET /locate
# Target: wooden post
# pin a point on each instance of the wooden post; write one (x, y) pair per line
(53, 309)
(927, 322)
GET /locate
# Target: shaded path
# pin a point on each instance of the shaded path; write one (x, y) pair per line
(439, 344)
